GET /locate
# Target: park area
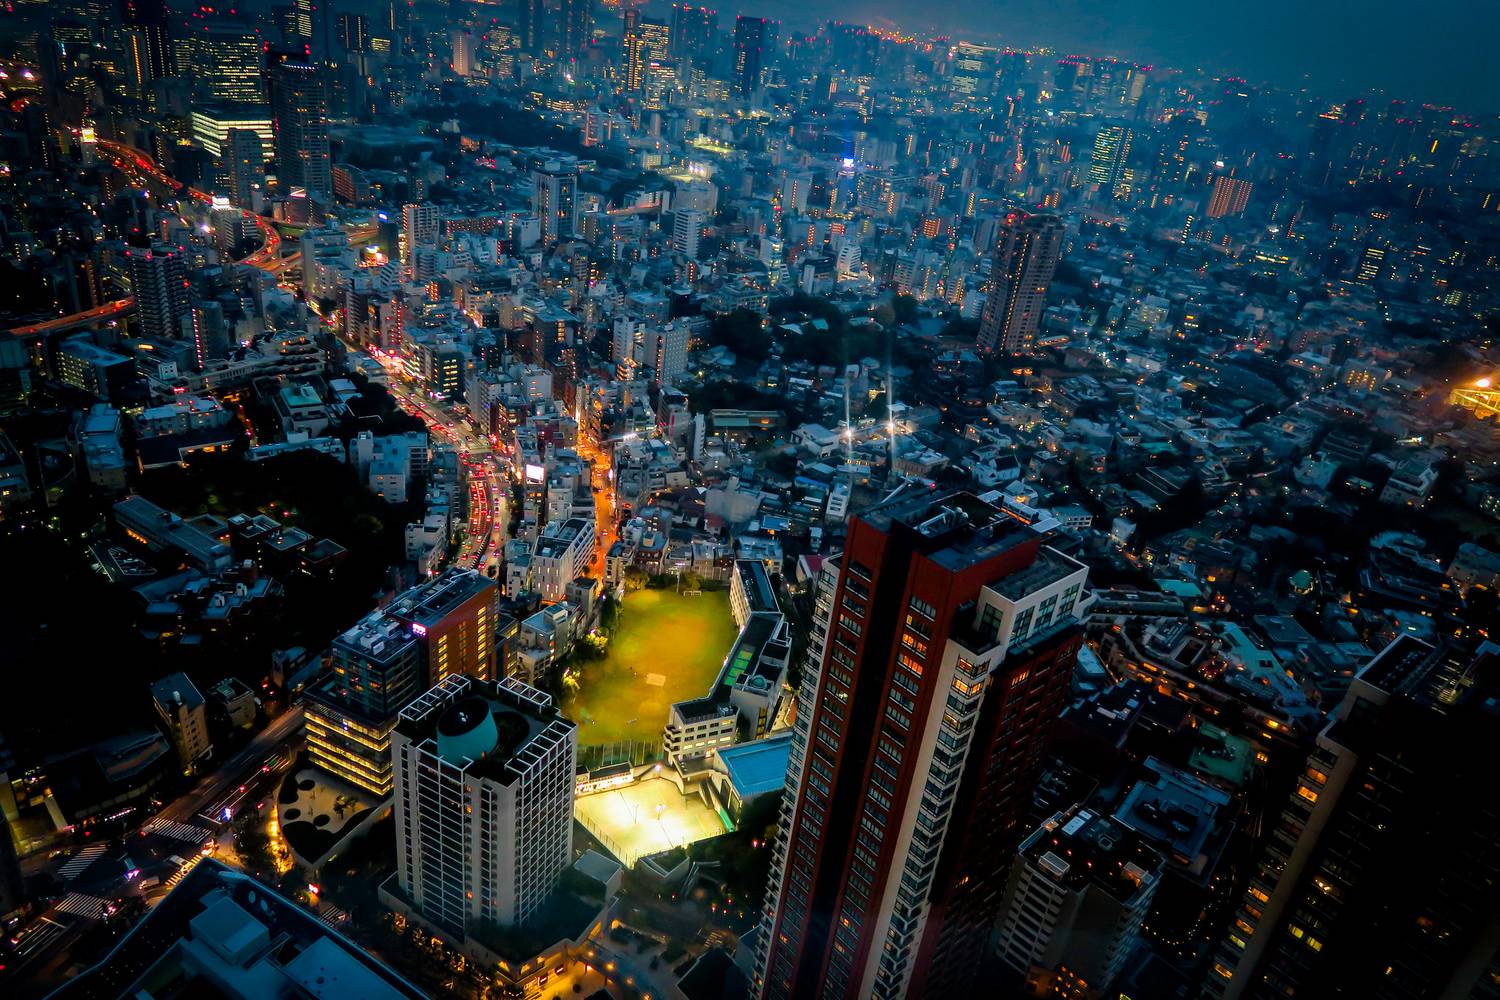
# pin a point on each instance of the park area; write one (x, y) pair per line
(667, 648)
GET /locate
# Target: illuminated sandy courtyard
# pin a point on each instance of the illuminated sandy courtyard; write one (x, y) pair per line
(646, 817)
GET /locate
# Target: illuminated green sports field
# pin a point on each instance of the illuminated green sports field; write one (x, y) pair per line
(667, 648)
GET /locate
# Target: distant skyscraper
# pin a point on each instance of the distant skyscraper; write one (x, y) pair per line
(485, 773)
(694, 32)
(226, 60)
(577, 27)
(419, 228)
(1230, 196)
(1022, 265)
(354, 32)
(554, 195)
(461, 41)
(1379, 881)
(646, 40)
(531, 26)
(300, 105)
(163, 297)
(754, 44)
(975, 67)
(148, 45)
(687, 229)
(304, 20)
(942, 649)
(665, 350)
(1111, 152)
(212, 123)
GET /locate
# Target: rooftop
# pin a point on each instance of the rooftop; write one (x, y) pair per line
(757, 584)
(428, 603)
(1082, 848)
(758, 767)
(1179, 813)
(497, 729)
(176, 689)
(221, 933)
(954, 530)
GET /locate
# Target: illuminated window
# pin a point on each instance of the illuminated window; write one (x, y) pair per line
(1307, 793)
(1259, 894)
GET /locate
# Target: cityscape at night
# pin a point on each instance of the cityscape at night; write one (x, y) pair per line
(548, 499)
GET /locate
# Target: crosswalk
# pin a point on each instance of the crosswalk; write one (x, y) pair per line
(332, 915)
(182, 872)
(186, 832)
(80, 861)
(81, 905)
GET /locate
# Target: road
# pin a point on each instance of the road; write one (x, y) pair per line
(489, 476)
(41, 946)
(277, 736)
(142, 172)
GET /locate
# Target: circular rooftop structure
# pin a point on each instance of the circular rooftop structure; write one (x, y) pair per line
(467, 731)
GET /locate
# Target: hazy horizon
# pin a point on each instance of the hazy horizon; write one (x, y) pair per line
(1337, 47)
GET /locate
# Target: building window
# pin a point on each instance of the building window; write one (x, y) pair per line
(1022, 626)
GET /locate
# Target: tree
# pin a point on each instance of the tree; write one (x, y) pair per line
(742, 332)
(905, 308)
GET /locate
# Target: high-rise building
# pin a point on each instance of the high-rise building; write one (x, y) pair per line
(665, 350)
(146, 29)
(576, 27)
(531, 26)
(244, 161)
(1021, 269)
(183, 711)
(1230, 196)
(225, 53)
(163, 295)
(13, 894)
(461, 43)
(354, 32)
(646, 41)
(419, 228)
(485, 774)
(554, 195)
(942, 650)
(687, 230)
(430, 632)
(1371, 266)
(1075, 902)
(300, 106)
(695, 31)
(212, 123)
(754, 45)
(975, 68)
(1379, 881)
(1108, 168)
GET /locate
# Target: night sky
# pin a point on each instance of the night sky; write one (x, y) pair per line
(1438, 50)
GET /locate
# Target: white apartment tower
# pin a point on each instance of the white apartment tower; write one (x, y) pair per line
(687, 229)
(483, 803)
